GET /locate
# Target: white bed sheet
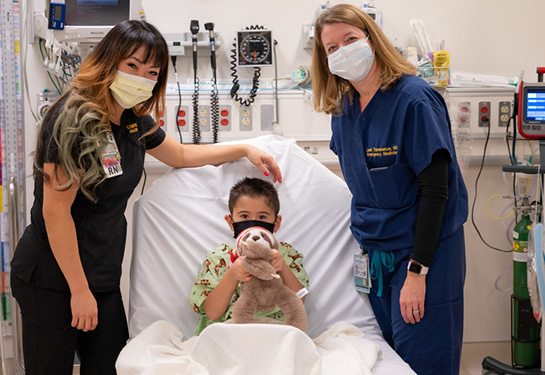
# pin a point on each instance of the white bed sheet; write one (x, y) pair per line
(181, 217)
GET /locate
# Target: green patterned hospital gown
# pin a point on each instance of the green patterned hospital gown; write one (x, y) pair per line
(214, 267)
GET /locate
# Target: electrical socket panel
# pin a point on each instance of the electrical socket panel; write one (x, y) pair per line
(504, 113)
(162, 121)
(484, 114)
(204, 118)
(475, 109)
(182, 117)
(224, 118)
(245, 116)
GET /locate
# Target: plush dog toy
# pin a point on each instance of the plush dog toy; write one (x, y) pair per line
(266, 289)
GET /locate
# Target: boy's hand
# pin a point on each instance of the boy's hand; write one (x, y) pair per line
(240, 272)
(277, 261)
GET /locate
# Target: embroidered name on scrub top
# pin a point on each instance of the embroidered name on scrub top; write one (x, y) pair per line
(132, 128)
(377, 152)
(380, 157)
(110, 158)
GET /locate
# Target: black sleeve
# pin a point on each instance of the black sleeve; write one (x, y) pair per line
(157, 137)
(434, 195)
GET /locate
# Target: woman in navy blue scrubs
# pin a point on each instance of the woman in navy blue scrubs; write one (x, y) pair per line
(391, 133)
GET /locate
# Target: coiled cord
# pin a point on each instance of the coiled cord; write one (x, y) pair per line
(236, 86)
(214, 108)
(255, 80)
(195, 97)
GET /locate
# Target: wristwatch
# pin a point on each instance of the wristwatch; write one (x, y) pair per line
(417, 268)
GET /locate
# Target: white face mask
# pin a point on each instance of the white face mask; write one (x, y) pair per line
(352, 62)
(129, 89)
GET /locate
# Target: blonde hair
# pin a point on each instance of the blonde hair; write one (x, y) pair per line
(329, 89)
(84, 118)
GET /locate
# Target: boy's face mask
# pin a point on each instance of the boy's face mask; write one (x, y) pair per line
(129, 89)
(241, 226)
(352, 62)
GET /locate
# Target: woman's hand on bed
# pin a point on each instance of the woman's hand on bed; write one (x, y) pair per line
(412, 298)
(264, 162)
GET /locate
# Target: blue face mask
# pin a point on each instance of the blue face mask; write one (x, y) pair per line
(241, 226)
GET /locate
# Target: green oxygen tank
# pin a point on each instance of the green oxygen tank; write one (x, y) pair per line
(525, 329)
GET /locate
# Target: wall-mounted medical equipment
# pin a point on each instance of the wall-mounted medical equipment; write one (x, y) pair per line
(214, 94)
(88, 21)
(254, 48)
(531, 110)
(57, 15)
(525, 321)
(194, 29)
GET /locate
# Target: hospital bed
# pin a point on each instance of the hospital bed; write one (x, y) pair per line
(181, 217)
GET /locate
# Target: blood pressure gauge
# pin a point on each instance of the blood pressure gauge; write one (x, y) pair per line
(254, 48)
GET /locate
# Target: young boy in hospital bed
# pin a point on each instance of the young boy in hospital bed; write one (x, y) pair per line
(252, 202)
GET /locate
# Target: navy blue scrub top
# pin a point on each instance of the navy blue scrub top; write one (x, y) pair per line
(383, 149)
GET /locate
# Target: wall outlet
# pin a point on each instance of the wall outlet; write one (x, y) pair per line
(484, 114)
(245, 114)
(182, 116)
(464, 114)
(204, 118)
(504, 113)
(224, 118)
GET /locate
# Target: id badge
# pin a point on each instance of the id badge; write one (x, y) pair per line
(110, 158)
(362, 282)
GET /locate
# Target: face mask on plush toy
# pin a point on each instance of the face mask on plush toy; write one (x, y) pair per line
(241, 226)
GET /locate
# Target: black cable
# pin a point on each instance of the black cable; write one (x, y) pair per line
(195, 97)
(275, 82)
(194, 28)
(144, 183)
(173, 58)
(475, 196)
(214, 95)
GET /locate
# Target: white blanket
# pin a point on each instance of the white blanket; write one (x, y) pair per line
(248, 349)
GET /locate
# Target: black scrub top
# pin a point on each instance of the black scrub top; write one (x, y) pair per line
(101, 227)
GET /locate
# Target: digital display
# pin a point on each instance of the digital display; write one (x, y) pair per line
(96, 12)
(534, 100)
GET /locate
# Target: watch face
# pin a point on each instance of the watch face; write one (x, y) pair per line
(415, 268)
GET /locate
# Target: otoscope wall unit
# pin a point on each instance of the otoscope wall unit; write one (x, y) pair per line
(180, 44)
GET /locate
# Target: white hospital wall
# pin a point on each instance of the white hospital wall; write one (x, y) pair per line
(497, 37)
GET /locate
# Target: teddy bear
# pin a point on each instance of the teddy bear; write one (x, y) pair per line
(265, 289)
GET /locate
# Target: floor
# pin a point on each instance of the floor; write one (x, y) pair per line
(474, 353)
